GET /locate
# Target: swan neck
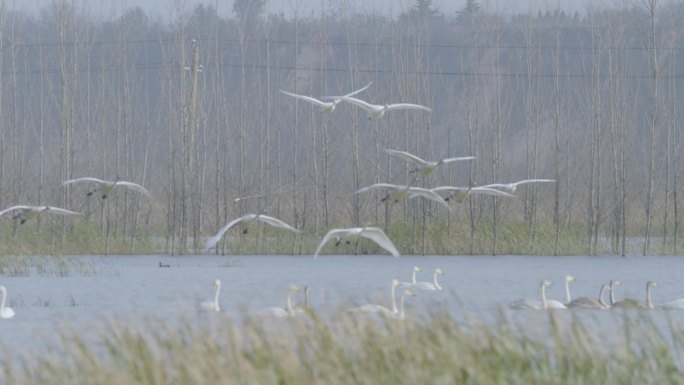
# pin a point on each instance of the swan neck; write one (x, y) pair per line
(401, 308)
(649, 303)
(542, 293)
(434, 279)
(567, 291)
(413, 277)
(612, 295)
(216, 297)
(600, 296)
(2, 303)
(394, 300)
(290, 310)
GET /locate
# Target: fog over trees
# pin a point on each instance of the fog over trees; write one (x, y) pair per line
(191, 109)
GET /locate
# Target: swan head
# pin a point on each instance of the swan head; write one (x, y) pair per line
(395, 282)
(439, 271)
(570, 278)
(613, 282)
(217, 282)
(545, 283)
(409, 293)
(416, 269)
(651, 284)
(294, 289)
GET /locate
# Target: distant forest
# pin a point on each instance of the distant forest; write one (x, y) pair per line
(191, 109)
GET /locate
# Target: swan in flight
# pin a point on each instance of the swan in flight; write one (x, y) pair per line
(434, 285)
(425, 167)
(373, 308)
(353, 234)
(326, 107)
(104, 187)
(460, 194)
(24, 213)
(280, 312)
(398, 192)
(213, 305)
(629, 303)
(376, 111)
(416, 269)
(511, 187)
(211, 242)
(5, 311)
(591, 303)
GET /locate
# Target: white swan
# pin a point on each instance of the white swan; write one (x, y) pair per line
(376, 111)
(432, 286)
(213, 305)
(511, 187)
(544, 304)
(305, 307)
(591, 303)
(211, 242)
(568, 278)
(425, 167)
(674, 304)
(460, 194)
(326, 107)
(629, 303)
(280, 312)
(104, 187)
(374, 308)
(5, 311)
(398, 192)
(352, 234)
(416, 269)
(400, 315)
(27, 212)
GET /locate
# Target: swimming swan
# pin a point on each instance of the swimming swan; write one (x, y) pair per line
(376, 111)
(629, 303)
(104, 187)
(400, 315)
(544, 304)
(511, 187)
(213, 305)
(280, 312)
(460, 194)
(432, 286)
(211, 242)
(27, 212)
(591, 303)
(326, 107)
(398, 192)
(568, 279)
(5, 311)
(425, 167)
(353, 234)
(416, 269)
(373, 308)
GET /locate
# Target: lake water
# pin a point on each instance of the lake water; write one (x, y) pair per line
(135, 287)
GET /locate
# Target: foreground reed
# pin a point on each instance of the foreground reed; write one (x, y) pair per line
(436, 349)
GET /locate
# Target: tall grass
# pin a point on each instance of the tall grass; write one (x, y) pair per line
(436, 349)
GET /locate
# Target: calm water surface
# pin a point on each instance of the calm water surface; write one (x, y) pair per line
(135, 287)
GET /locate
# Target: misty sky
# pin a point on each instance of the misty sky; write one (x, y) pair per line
(165, 8)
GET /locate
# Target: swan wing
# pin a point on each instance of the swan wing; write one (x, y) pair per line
(134, 186)
(449, 189)
(85, 179)
(491, 191)
(275, 223)
(18, 207)
(457, 159)
(526, 181)
(278, 312)
(207, 306)
(60, 211)
(553, 304)
(585, 303)
(406, 156)
(307, 99)
(675, 304)
(358, 102)
(427, 194)
(407, 106)
(337, 99)
(379, 186)
(378, 236)
(211, 242)
(423, 286)
(335, 233)
(370, 308)
(526, 303)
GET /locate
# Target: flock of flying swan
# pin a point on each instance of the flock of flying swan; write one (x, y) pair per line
(599, 302)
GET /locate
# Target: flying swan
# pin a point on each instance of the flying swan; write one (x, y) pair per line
(211, 242)
(460, 194)
(353, 234)
(511, 187)
(5, 311)
(326, 107)
(213, 305)
(398, 192)
(425, 167)
(104, 187)
(24, 213)
(376, 111)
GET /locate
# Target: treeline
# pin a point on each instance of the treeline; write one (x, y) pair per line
(191, 109)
